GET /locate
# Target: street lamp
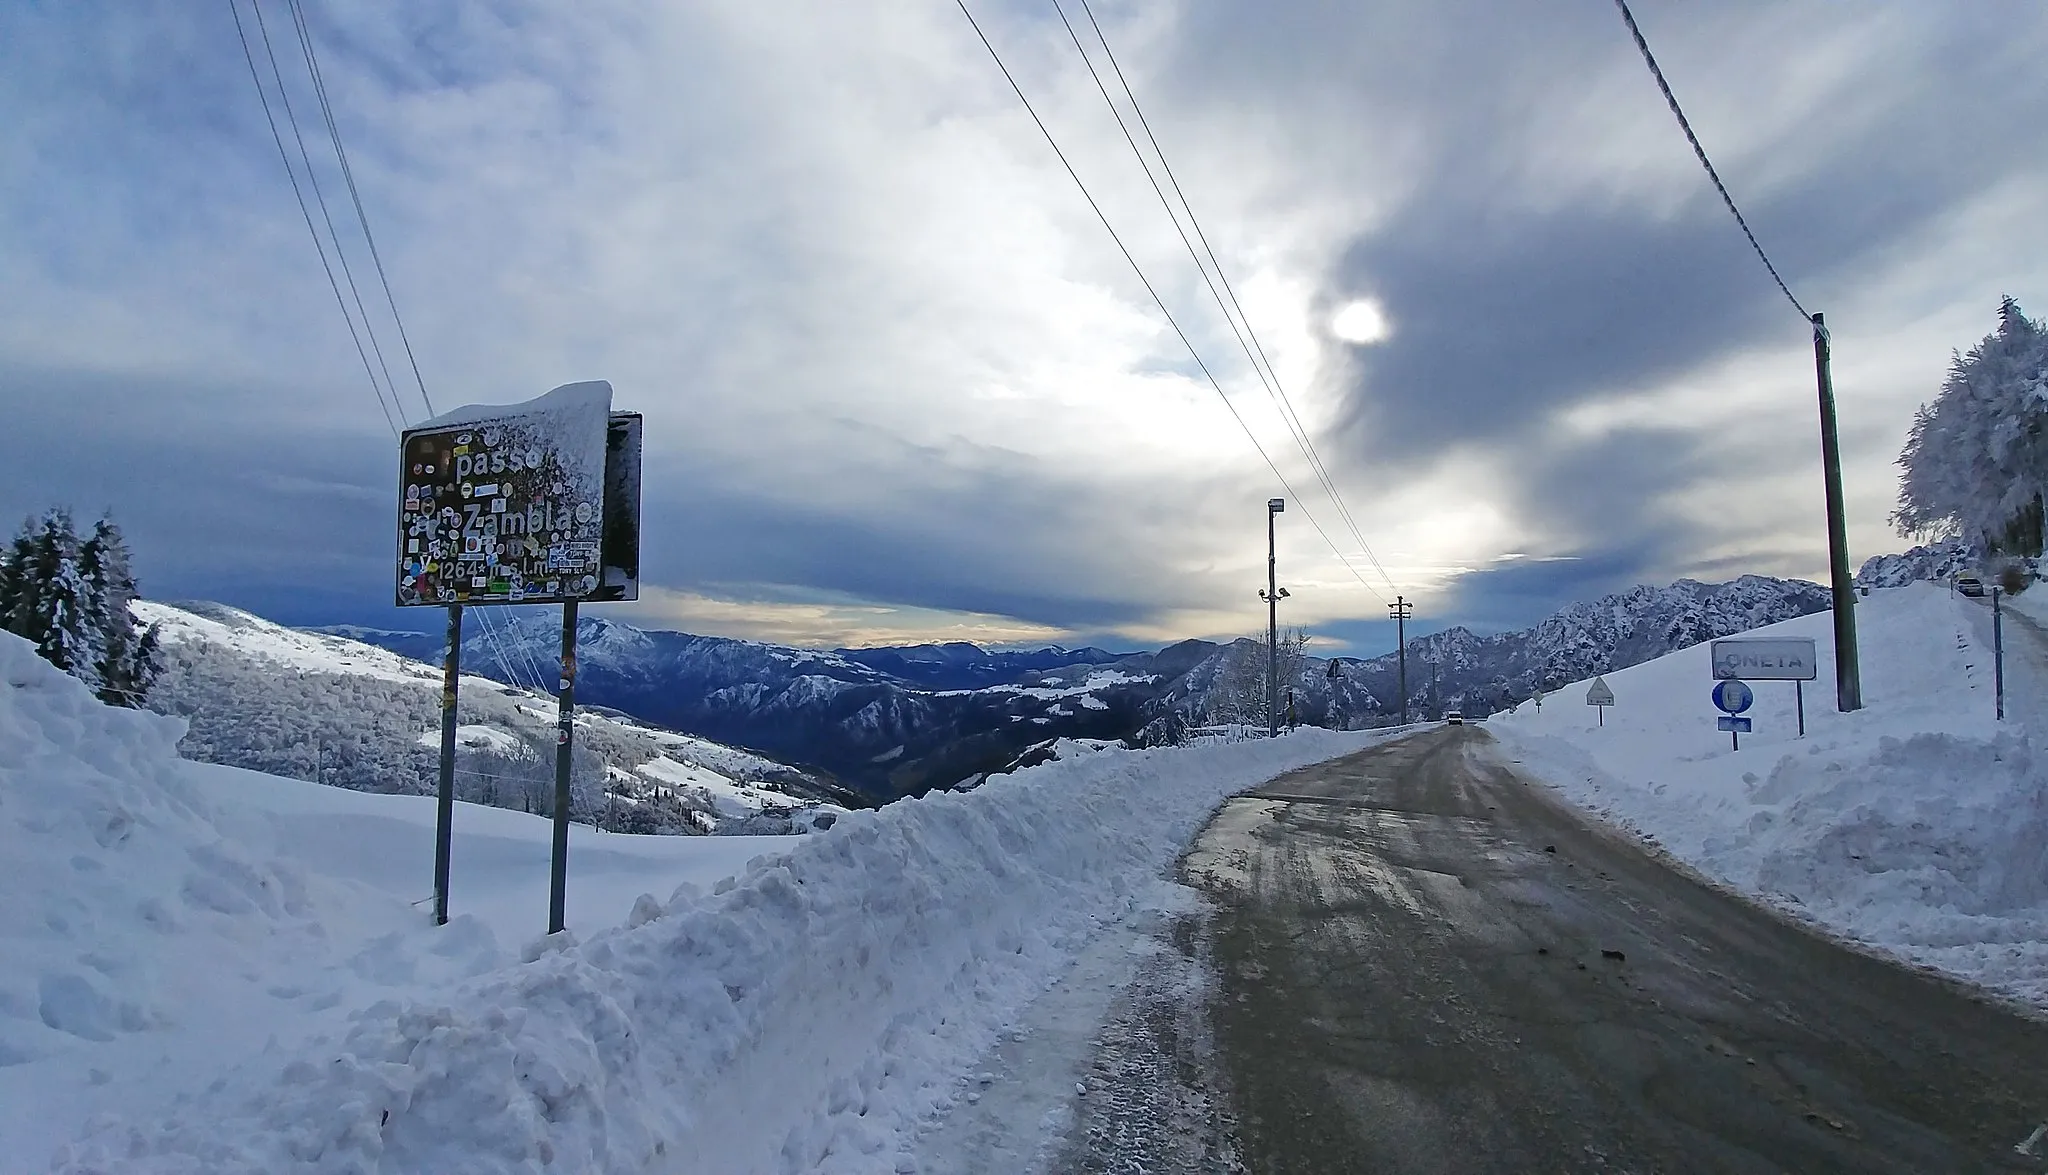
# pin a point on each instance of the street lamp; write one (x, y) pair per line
(1272, 595)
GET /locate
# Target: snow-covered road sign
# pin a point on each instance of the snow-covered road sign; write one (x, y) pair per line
(1733, 724)
(527, 503)
(1777, 659)
(1734, 697)
(1601, 694)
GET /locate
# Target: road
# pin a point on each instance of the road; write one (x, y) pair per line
(1421, 962)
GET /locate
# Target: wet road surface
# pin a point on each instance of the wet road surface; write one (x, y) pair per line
(1419, 962)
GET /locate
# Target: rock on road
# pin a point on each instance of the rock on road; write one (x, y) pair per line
(1421, 962)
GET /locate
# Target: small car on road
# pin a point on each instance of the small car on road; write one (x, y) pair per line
(1970, 586)
(1454, 718)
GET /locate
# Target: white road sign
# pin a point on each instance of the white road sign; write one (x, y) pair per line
(1601, 694)
(1754, 659)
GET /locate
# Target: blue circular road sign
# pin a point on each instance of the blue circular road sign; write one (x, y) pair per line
(1733, 696)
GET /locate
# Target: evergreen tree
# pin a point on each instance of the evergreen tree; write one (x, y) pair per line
(1975, 463)
(64, 611)
(127, 659)
(71, 598)
(18, 596)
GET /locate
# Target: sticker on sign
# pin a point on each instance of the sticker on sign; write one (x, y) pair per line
(1786, 659)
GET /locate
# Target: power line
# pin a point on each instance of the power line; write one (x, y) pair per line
(292, 175)
(1156, 299)
(320, 197)
(532, 678)
(1275, 391)
(349, 176)
(1671, 100)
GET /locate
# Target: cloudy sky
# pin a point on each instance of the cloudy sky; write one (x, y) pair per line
(899, 384)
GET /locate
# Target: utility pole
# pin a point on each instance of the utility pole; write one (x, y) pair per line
(1272, 595)
(1848, 673)
(1402, 610)
(1436, 700)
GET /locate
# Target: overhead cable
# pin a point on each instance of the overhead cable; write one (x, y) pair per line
(1156, 299)
(278, 138)
(348, 175)
(1671, 100)
(1260, 364)
(320, 198)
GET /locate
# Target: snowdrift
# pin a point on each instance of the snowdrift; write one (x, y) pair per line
(810, 1014)
(1918, 825)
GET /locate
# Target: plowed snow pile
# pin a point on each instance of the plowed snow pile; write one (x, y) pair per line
(1918, 825)
(215, 964)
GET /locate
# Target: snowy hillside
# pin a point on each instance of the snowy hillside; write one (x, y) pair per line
(168, 921)
(332, 710)
(1918, 825)
(1936, 561)
(209, 970)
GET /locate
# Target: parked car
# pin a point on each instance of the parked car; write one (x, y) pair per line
(1970, 585)
(1454, 718)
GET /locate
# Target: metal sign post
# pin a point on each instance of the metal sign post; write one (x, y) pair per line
(1600, 696)
(1998, 653)
(565, 733)
(1733, 697)
(529, 503)
(1790, 659)
(444, 801)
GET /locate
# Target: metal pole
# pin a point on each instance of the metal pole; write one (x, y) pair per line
(1272, 632)
(1848, 673)
(558, 871)
(1799, 696)
(444, 806)
(1998, 653)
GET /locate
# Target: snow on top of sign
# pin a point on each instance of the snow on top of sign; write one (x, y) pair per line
(568, 400)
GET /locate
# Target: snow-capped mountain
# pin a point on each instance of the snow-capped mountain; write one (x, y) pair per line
(1460, 669)
(900, 721)
(325, 708)
(1933, 561)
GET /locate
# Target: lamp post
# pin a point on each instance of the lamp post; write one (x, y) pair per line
(1273, 594)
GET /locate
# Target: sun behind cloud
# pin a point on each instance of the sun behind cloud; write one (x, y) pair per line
(1360, 321)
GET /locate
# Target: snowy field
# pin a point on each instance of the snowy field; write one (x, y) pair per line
(1918, 825)
(213, 970)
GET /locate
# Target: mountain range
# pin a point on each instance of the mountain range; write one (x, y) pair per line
(904, 720)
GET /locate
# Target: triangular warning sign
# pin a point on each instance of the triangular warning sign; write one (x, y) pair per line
(1600, 694)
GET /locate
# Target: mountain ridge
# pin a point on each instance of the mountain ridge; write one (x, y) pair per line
(901, 720)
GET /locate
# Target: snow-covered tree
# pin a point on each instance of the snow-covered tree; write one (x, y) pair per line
(1240, 692)
(58, 609)
(1975, 463)
(127, 658)
(70, 598)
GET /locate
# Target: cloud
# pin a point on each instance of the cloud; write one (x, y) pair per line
(890, 362)
(842, 622)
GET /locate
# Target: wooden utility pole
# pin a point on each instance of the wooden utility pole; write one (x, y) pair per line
(1848, 672)
(1402, 610)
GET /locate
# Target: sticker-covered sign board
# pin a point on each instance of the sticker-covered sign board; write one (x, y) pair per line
(509, 504)
(1761, 659)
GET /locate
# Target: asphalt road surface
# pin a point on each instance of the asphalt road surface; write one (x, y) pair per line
(1421, 962)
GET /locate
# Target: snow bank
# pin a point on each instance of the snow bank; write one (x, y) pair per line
(1918, 825)
(808, 1015)
(168, 921)
(123, 894)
